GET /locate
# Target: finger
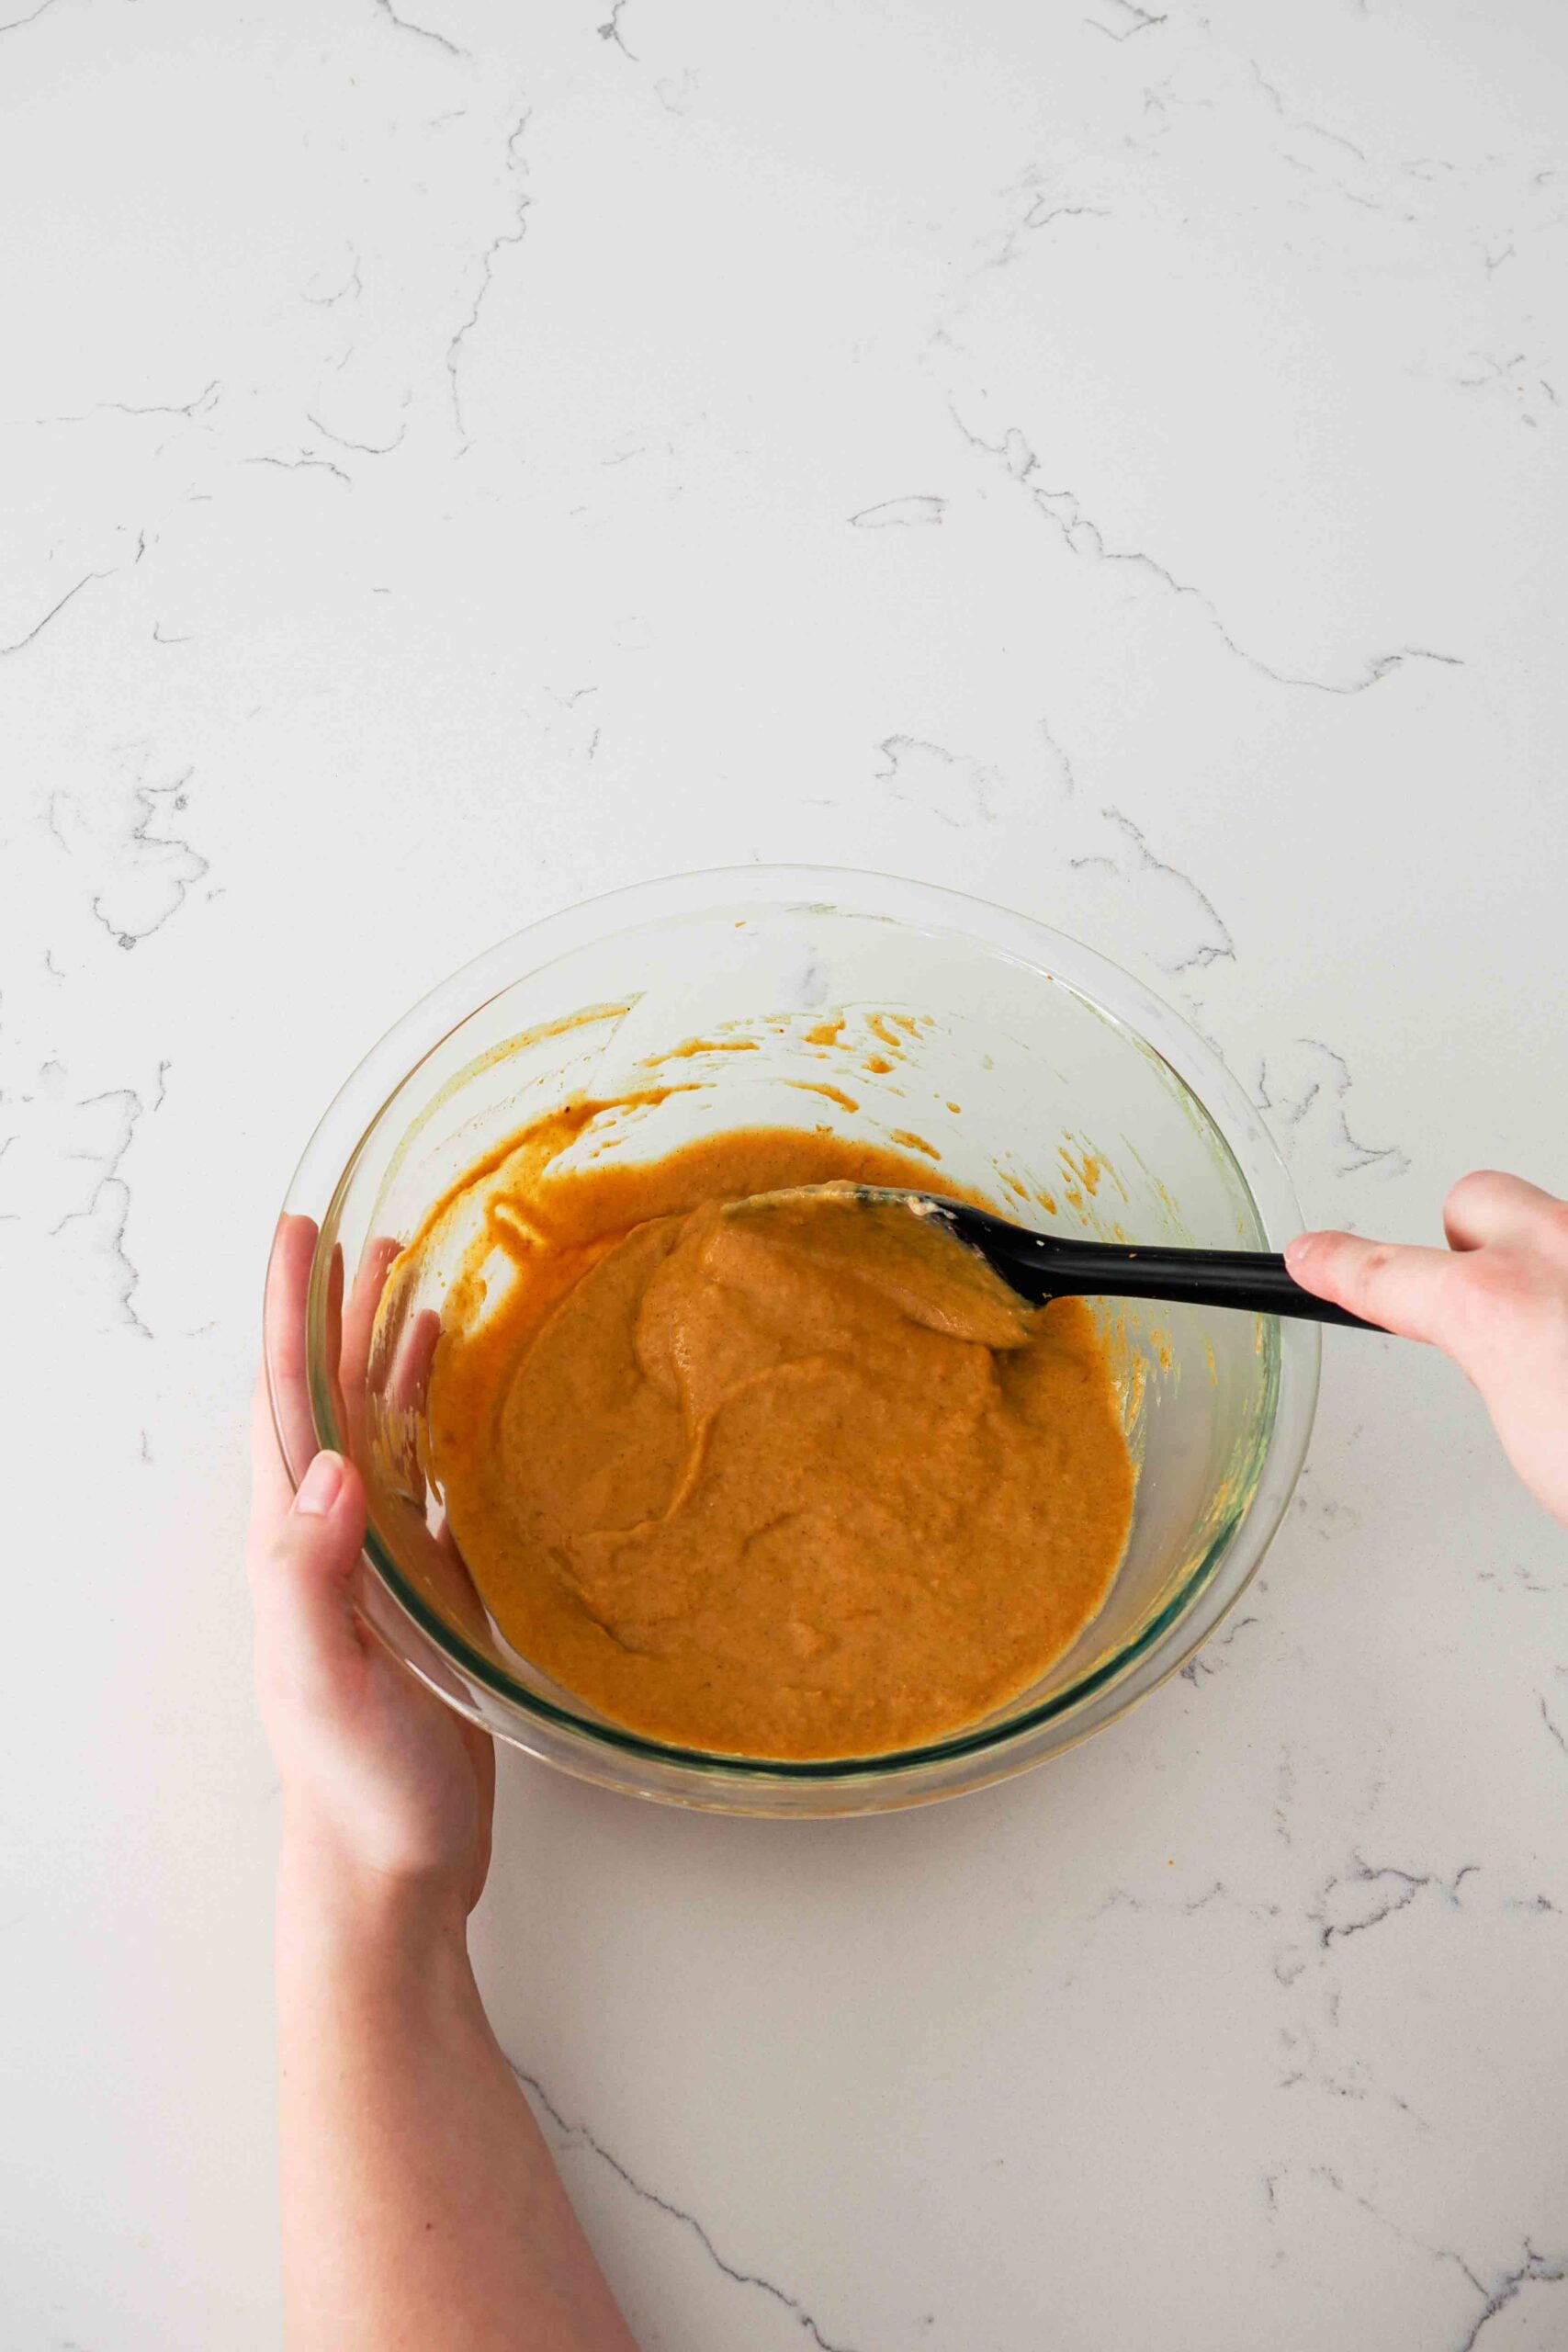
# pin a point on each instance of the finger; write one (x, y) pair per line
(303, 1578)
(359, 1314)
(287, 1280)
(334, 1336)
(1489, 1205)
(409, 1381)
(1406, 1290)
(400, 1374)
(358, 1329)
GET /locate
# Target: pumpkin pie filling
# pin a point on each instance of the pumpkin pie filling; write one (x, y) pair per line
(795, 1480)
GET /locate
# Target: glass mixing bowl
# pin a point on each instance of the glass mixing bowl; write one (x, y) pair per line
(1032, 1070)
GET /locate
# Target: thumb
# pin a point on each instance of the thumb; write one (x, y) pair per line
(304, 1583)
(1406, 1289)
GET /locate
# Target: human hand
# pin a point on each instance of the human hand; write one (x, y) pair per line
(386, 1791)
(1495, 1300)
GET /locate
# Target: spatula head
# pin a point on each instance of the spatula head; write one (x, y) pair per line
(910, 1245)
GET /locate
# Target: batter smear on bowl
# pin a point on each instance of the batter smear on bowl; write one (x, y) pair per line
(772, 1484)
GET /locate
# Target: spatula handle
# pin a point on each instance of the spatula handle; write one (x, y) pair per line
(1255, 1280)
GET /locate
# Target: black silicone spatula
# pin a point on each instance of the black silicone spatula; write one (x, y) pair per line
(1040, 1266)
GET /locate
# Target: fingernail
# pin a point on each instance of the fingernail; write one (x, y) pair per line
(1298, 1251)
(320, 1486)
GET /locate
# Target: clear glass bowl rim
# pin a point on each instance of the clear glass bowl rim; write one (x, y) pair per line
(966, 1761)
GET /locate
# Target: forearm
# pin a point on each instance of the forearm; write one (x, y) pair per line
(421, 2206)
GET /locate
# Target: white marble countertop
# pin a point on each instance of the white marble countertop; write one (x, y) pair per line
(456, 458)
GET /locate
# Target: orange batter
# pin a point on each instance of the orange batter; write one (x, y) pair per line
(780, 1483)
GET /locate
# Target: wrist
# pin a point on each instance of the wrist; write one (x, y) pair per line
(336, 1904)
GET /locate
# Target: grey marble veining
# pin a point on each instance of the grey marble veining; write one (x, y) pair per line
(1107, 459)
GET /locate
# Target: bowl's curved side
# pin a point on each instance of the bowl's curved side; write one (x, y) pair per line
(468, 1681)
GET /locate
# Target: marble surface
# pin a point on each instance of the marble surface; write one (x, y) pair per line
(456, 458)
